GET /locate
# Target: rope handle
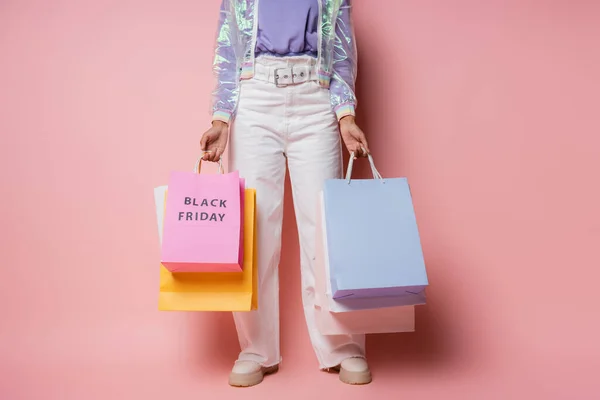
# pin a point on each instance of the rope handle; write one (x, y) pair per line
(199, 163)
(374, 171)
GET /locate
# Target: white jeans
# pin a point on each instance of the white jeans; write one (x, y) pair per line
(275, 126)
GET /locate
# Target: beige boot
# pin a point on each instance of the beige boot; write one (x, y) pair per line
(355, 371)
(249, 373)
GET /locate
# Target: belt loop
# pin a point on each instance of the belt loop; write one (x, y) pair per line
(271, 74)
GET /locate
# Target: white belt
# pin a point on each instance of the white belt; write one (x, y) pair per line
(285, 76)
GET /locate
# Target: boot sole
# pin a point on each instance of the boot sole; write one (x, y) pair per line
(355, 378)
(252, 379)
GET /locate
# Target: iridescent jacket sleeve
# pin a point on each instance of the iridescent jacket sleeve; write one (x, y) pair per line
(343, 98)
(225, 66)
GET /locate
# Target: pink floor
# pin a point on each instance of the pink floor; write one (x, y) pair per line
(490, 108)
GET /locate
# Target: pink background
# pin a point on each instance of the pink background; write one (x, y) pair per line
(489, 107)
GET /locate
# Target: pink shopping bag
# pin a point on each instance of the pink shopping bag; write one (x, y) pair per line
(203, 223)
(377, 320)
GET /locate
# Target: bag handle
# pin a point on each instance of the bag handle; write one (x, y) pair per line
(376, 174)
(199, 164)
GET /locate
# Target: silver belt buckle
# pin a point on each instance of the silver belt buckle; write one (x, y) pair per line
(291, 76)
(284, 77)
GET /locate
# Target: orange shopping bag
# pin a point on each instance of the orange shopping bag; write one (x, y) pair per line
(212, 291)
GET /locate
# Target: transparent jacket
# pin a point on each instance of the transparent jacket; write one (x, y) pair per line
(236, 42)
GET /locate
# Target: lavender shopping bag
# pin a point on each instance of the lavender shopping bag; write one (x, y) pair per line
(330, 322)
(374, 254)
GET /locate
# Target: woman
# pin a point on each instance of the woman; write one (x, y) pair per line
(286, 71)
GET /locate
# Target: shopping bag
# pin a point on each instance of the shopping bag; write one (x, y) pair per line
(212, 291)
(203, 223)
(379, 320)
(377, 261)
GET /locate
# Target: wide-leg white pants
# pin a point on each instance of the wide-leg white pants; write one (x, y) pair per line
(275, 127)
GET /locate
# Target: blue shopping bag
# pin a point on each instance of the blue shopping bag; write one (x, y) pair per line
(373, 246)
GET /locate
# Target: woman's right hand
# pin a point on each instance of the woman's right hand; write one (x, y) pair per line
(214, 141)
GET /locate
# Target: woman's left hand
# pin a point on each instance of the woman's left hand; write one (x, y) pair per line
(353, 137)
